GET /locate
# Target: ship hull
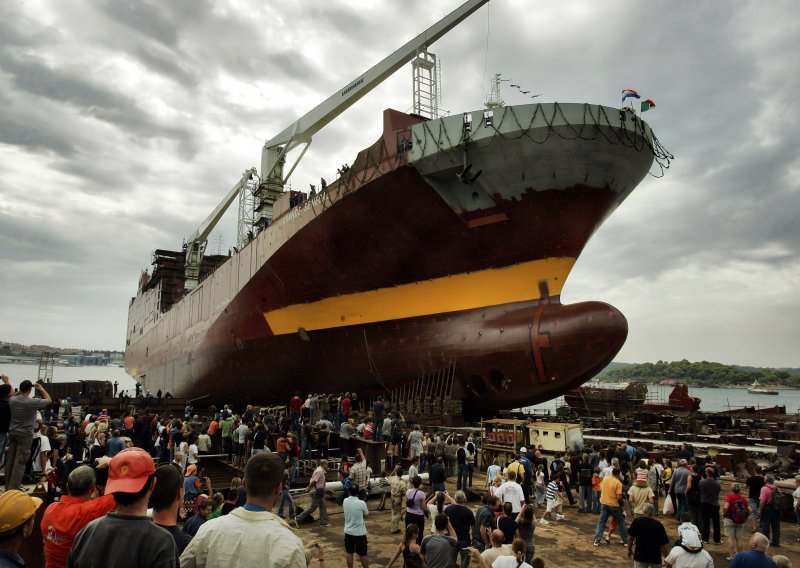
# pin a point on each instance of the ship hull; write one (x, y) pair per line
(399, 270)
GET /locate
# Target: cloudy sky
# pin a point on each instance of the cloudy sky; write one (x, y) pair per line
(122, 125)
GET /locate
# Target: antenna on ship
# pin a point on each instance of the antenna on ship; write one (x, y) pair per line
(495, 100)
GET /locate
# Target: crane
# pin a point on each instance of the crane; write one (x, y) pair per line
(275, 149)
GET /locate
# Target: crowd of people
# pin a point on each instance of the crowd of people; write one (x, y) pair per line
(130, 485)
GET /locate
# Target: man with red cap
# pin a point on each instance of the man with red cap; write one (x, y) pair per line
(127, 537)
(17, 512)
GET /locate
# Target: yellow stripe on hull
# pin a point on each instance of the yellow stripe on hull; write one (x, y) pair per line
(441, 295)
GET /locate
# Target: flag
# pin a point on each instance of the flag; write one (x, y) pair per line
(648, 104)
(517, 86)
(628, 93)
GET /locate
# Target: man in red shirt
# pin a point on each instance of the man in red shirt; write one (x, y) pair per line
(295, 406)
(64, 519)
(345, 404)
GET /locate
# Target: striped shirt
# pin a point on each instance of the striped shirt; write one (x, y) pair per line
(552, 490)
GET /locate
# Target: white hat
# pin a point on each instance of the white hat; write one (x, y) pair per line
(690, 539)
(523, 450)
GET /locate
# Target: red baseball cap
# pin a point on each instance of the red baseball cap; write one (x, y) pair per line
(129, 470)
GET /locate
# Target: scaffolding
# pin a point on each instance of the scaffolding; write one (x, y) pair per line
(46, 363)
(426, 75)
(246, 227)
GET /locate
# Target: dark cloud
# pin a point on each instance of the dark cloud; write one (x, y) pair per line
(138, 118)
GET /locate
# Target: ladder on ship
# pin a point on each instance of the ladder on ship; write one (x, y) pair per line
(46, 364)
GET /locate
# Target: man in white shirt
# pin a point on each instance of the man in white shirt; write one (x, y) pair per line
(511, 492)
(251, 535)
(606, 471)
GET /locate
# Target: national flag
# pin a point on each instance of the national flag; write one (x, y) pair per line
(648, 104)
(629, 93)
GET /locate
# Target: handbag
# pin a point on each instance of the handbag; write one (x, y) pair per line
(410, 501)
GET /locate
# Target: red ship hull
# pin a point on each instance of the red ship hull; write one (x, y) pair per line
(387, 276)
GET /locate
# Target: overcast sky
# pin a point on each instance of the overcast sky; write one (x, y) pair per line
(123, 124)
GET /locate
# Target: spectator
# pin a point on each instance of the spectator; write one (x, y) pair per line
(409, 549)
(610, 500)
(316, 486)
(650, 538)
(23, 408)
(438, 550)
(462, 520)
(127, 535)
(64, 519)
(193, 523)
(17, 515)
(166, 500)
(689, 552)
(769, 513)
(735, 513)
(756, 557)
(414, 512)
(355, 529)
(251, 535)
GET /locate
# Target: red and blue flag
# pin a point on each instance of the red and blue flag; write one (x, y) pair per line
(629, 93)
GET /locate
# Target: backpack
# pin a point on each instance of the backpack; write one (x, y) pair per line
(739, 512)
(777, 499)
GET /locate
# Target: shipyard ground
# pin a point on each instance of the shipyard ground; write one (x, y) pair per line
(560, 544)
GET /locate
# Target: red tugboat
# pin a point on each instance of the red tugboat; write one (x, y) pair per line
(441, 252)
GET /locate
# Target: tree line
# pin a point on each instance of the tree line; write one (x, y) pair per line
(701, 374)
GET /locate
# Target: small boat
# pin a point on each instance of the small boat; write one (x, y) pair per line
(756, 388)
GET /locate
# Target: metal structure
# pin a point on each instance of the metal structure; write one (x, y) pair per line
(495, 100)
(196, 244)
(273, 156)
(46, 363)
(425, 74)
(247, 227)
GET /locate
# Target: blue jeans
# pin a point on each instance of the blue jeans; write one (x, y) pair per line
(3, 444)
(682, 505)
(438, 487)
(616, 512)
(585, 498)
(293, 470)
(771, 519)
(286, 498)
(595, 501)
(463, 473)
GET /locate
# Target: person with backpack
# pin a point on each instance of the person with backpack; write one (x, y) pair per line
(770, 507)
(735, 513)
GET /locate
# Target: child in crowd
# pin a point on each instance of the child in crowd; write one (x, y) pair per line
(596, 490)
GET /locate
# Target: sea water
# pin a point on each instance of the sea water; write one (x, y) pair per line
(18, 373)
(712, 399)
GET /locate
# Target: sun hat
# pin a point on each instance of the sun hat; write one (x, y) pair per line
(16, 507)
(129, 470)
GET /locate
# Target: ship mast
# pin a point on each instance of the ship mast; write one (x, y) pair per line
(274, 151)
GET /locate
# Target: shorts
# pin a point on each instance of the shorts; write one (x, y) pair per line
(553, 504)
(355, 544)
(732, 529)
